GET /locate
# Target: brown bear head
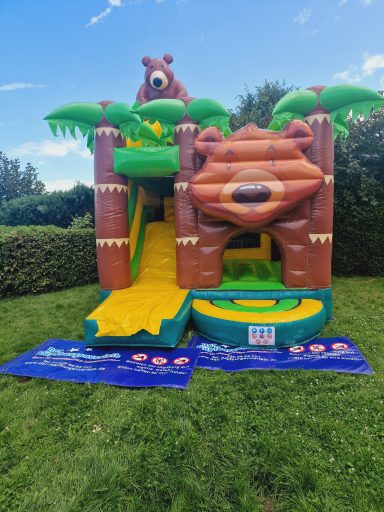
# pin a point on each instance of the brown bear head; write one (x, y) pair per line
(254, 176)
(158, 74)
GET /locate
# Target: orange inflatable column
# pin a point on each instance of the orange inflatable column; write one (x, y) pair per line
(186, 218)
(111, 216)
(321, 153)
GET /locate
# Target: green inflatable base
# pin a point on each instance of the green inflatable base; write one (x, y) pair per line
(236, 333)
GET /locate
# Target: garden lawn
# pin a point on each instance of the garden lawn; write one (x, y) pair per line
(251, 441)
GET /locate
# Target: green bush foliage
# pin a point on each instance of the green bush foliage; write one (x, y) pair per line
(38, 259)
(82, 222)
(359, 199)
(56, 208)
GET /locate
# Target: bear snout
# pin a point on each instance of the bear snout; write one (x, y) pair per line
(251, 193)
(158, 80)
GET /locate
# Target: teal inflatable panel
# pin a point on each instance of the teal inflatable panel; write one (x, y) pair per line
(210, 322)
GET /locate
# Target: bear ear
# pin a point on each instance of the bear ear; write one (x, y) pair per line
(168, 58)
(146, 60)
(299, 131)
(208, 140)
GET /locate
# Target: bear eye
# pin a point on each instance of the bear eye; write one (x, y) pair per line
(230, 155)
(162, 65)
(151, 66)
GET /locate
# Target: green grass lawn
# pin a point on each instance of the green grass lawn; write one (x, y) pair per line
(250, 441)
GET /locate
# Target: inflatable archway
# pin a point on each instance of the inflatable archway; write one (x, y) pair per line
(231, 230)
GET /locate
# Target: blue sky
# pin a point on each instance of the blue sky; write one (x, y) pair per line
(56, 52)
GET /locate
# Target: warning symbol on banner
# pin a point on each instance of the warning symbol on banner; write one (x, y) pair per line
(139, 357)
(159, 361)
(339, 346)
(297, 350)
(181, 360)
(317, 348)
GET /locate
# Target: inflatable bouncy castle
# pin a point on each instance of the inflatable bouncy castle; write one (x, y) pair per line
(232, 231)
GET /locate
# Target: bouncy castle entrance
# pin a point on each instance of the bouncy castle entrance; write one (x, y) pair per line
(251, 261)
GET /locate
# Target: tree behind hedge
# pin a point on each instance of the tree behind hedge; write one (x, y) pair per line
(17, 182)
(256, 106)
(56, 208)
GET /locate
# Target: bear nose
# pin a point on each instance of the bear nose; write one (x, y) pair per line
(251, 193)
(157, 82)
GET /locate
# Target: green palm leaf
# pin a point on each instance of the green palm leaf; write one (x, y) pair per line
(341, 96)
(119, 113)
(167, 111)
(208, 112)
(83, 116)
(300, 102)
(294, 105)
(348, 101)
(343, 102)
(122, 115)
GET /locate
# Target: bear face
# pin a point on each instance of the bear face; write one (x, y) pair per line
(254, 176)
(158, 74)
(160, 81)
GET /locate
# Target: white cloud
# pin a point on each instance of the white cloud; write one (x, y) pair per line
(367, 3)
(351, 75)
(302, 17)
(99, 17)
(64, 184)
(49, 148)
(96, 19)
(342, 3)
(372, 63)
(14, 86)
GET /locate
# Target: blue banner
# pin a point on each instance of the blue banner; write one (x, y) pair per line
(327, 354)
(133, 367)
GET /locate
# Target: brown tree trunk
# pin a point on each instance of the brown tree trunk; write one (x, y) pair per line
(321, 153)
(111, 215)
(186, 216)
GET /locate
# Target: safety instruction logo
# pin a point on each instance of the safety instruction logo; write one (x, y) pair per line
(139, 357)
(159, 361)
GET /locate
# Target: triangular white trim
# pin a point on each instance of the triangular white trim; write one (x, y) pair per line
(107, 130)
(182, 185)
(184, 127)
(110, 241)
(320, 236)
(111, 187)
(317, 117)
(187, 239)
(328, 178)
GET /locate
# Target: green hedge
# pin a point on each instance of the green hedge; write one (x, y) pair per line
(359, 241)
(45, 258)
(56, 208)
